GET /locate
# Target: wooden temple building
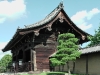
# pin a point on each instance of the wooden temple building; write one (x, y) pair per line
(32, 45)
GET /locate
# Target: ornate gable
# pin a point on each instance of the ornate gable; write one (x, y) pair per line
(57, 17)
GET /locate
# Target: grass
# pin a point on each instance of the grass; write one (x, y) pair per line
(56, 73)
(45, 73)
(78, 74)
(23, 74)
(49, 73)
(52, 73)
(27, 74)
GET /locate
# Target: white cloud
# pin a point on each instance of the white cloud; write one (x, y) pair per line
(11, 10)
(2, 45)
(85, 26)
(81, 18)
(2, 20)
(92, 13)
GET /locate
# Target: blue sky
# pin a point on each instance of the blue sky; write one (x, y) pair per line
(13, 13)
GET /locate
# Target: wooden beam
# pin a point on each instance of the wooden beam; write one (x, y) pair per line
(17, 41)
(25, 32)
(32, 30)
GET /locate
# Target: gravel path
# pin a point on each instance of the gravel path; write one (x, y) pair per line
(9, 73)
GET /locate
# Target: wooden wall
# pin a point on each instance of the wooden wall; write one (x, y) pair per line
(44, 51)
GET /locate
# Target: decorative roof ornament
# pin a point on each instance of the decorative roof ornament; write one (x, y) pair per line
(25, 26)
(61, 4)
(49, 28)
(36, 32)
(83, 37)
(62, 1)
(61, 19)
(18, 27)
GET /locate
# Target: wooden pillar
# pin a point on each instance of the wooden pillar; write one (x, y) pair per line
(12, 69)
(34, 60)
(87, 64)
(12, 57)
(16, 63)
(31, 59)
(23, 59)
(33, 53)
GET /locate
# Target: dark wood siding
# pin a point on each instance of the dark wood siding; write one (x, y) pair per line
(43, 52)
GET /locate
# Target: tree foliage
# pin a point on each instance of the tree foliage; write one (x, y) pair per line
(67, 49)
(5, 62)
(95, 39)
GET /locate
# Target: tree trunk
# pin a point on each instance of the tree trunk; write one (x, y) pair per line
(68, 68)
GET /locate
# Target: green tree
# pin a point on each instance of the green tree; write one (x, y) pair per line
(95, 39)
(5, 62)
(67, 50)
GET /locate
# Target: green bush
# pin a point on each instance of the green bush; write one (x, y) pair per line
(56, 73)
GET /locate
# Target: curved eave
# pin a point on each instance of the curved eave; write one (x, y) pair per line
(40, 25)
(47, 19)
(10, 43)
(74, 25)
(43, 22)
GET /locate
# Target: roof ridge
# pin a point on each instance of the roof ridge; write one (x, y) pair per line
(59, 6)
(90, 46)
(47, 18)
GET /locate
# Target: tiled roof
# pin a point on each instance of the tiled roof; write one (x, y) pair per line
(87, 50)
(47, 18)
(90, 49)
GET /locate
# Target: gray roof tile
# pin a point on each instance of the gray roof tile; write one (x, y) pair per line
(47, 18)
(88, 50)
